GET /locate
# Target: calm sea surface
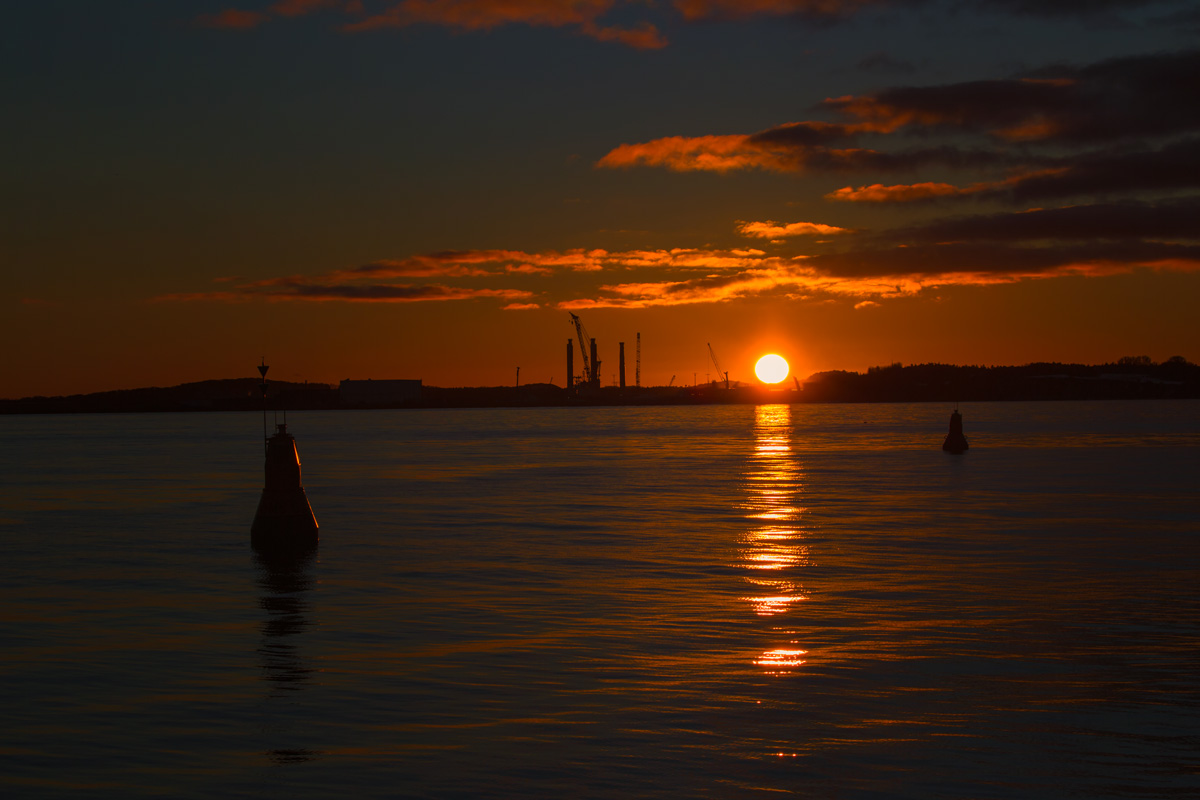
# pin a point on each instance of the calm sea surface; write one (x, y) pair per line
(696, 602)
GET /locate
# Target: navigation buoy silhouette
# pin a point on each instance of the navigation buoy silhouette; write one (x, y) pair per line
(284, 520)
(955, 441)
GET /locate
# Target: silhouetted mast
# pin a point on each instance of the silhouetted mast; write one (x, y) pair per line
(717, 364)
(262, 370)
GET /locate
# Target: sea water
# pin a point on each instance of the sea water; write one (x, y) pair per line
(709, 602)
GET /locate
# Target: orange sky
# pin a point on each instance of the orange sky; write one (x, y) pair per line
(424, 189)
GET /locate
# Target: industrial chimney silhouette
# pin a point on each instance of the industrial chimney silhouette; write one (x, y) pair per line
(284, 519)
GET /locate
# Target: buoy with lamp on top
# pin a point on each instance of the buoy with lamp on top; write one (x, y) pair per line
(284, 521)
(955, 441)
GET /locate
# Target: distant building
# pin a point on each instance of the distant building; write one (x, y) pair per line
(380, 393)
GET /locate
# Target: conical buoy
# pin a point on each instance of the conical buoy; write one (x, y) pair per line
(955, 441)
(284, 519)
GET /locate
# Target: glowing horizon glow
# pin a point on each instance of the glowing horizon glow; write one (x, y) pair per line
(771, 368)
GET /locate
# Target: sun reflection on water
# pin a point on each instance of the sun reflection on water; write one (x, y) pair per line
(777, 660)
(774, 547)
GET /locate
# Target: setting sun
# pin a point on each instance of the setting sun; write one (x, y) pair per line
(771, 368)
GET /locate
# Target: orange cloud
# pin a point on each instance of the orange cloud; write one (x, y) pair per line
(684, 258)
(905, 193)
(795, 279)
(879, 116)
(790, 147)
(774, 230)
(472, 15)
(873, 274)
(467, 15)
(232, 19)
(683, 154)
(902, 193)
(786, 277)
(478, 263)
(528, 269)
(980, 250)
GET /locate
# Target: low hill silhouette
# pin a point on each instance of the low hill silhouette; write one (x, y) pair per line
(1133, 377)
(213, 395)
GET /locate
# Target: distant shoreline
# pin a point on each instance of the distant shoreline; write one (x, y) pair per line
(1129, 379)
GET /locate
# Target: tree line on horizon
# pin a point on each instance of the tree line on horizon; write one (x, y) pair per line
(1128, 377)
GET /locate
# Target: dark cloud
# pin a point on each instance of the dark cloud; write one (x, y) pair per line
(1126, 119)
(1007, 261)
(1068, 8)
(826, 11)
(800, 135)
(1124, 98)
(913, 159)
(1169, 219)
(1116, 172)
(812, 10)
(1105, 173)
(809, 145)
(1136, 96)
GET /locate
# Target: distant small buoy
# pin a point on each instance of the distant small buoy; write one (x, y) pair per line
(285, 520)
(955, 441)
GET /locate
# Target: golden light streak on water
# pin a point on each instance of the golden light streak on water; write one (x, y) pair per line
(767, 606)
(774, 544)
(778, 660)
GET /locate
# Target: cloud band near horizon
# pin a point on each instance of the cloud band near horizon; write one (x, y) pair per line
(972, 250)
